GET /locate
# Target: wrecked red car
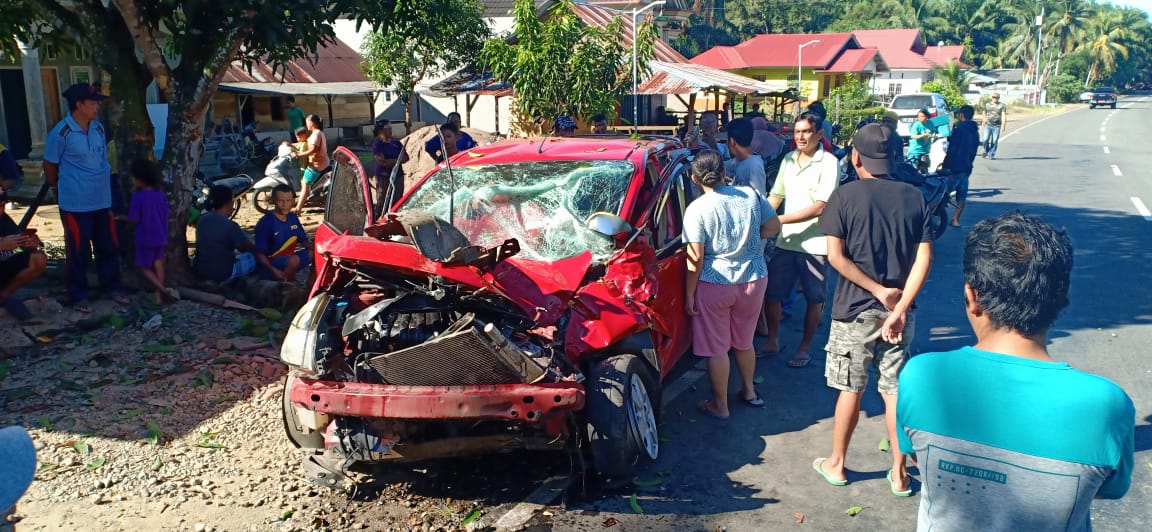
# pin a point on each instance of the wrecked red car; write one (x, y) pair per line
(528, 296)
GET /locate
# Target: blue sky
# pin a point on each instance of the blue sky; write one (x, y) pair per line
(1146, 5)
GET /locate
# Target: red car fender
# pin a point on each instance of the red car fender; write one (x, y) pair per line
(615, 307)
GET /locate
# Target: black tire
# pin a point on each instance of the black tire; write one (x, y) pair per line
(618, 441)
(1091, 106)
(237, 204)
(939, 222)
(297, 434)
(262, 200)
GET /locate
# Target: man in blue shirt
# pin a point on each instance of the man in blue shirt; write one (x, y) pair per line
(463, 140)
(1006, 437)
(281, 237)
(76, 162)
(962, 148)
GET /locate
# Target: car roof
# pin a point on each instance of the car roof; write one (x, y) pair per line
(599, 147)
(917, 94)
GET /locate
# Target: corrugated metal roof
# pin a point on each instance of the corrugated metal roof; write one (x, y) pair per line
(688, 78)
(334, 62)
(601, 17)
(469, 80)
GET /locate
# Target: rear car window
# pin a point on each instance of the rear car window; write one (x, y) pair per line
(1105, 89)
(912, 102)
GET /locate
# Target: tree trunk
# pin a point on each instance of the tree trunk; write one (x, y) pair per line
(182, 160)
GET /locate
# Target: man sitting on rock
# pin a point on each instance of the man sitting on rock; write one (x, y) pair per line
(21, 261)
(218, 239)
(281, 237)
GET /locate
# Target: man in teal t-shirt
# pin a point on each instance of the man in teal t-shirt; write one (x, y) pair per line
(1007, 438)
(295, 117)
(920, 141)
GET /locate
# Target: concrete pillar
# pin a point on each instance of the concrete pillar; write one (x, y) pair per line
(34, 92)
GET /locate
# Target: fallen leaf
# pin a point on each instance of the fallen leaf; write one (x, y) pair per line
(159, 348)
(81, 447)
(854, 510)
(635, 505)
(611, 521)
(131, 414)
(205, 441)
(287, 514)
(156, 464)
(472, 516)
(663, 439)
(44, 339)
(271, 313)
(546, 513)
(799, 517)
(883, 445)
(758, 380)
(96, 464)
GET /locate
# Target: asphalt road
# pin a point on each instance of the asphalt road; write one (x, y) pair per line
(1085, 170)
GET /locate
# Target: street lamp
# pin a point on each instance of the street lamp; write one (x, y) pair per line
(800, 69)
(636, 97)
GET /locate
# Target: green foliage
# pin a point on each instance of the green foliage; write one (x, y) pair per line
(1063, 88)
(428, 37)
(854, 94)
(559, 65)
(951, 95)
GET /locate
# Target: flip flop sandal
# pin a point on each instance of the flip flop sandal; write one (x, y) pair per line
(704, 406)
(755, 402)
(766, 353)
(799, 362)
(818, 465)
(121, 298)
(892, 487)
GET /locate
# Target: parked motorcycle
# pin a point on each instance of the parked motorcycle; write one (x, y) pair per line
(285, 170)
(260, 151)
(934, 187)
(240, 185)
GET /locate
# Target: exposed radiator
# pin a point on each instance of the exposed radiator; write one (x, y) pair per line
(462, 355)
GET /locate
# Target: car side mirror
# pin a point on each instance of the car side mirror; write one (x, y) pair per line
(609, 225)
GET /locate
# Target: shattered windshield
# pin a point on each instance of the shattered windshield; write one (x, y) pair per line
(542, 204)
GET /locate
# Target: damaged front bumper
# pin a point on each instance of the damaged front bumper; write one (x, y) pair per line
(531, 403)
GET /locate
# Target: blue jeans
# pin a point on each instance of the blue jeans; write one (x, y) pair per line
(991, 139)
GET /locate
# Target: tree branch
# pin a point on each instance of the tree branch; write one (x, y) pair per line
(146, 43)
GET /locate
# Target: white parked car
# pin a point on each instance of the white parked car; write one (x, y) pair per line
(907, 105)
(1086, 97)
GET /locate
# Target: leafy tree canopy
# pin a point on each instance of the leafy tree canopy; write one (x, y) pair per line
(558, 65)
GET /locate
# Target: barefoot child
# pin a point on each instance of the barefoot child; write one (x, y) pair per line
(149, 212)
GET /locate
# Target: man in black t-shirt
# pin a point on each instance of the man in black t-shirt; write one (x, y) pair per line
(879, 242)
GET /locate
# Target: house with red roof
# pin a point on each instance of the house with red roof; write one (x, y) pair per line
(817, 62)
(910, 61)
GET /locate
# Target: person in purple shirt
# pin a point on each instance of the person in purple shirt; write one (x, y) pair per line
(388, 153)
(148, 211)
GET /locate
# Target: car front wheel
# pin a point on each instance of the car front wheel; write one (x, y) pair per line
(623, 397)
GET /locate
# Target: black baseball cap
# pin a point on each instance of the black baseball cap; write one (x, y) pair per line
(83, 91)
(871, 142)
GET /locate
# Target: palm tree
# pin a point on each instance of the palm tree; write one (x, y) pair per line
(951, 75)
(1105, 44)
(1067, 28)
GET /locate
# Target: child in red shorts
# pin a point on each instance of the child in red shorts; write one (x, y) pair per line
(149, 212)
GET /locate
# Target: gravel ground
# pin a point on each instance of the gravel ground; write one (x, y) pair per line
(179, 427)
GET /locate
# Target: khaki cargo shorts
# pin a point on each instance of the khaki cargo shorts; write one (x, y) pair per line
(853, 345)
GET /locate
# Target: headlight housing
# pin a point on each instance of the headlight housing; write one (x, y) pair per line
(301, 341)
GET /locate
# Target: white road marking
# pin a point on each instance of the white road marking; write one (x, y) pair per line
(1106, 150)
(1140, 208)
(1101, 129)
(1116, 171)
(1015, 131)
(1103, 138)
